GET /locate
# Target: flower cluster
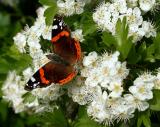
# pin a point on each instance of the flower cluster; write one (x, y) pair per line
(101, 88)
(145, 5)
(30, 37)
(13, 88)
(13, 92)
(28, 41)
(107, 14)
(70, 7)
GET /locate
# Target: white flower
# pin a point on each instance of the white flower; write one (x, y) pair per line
(148, 29)
(46, 34)
(77, 35)
(122, 71)
(81, 93)
(92, 57)
(142, 89)
(135, 103)
(146, 5)
(134, 16)
(97, 109)
(116, 89)
(40, 11)
(124, 113)
(121, 6)
(102, 17)
(20, 41)
(27, 73)
(13, 89)
(67, 7)
(119, 109)
(79, 5)
(49, 93)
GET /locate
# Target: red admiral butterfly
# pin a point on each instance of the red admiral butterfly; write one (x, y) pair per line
(60, 69)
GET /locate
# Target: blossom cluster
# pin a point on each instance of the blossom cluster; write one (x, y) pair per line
(107, 14)
(13, 92)
(28, 41)
(70, 7)
(100, 87)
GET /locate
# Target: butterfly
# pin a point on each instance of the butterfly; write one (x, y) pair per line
(61, 67)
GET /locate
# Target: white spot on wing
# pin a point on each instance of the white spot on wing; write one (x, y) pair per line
(35, 84)
(33, 79)
(55, 27)
(60, 23)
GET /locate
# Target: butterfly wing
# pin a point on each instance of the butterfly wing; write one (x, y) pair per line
(65, 46)
(52, 72)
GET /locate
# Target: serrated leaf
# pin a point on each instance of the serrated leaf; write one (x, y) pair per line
(50, 13)
(123, 42)
(48, 2)
(155, 102)
(144, 118)
(84, 121)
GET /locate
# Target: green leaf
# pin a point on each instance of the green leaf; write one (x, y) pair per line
(28, 97)
(108, 39)
(133, 56)
(14, 60)
(4, 24)
(5, 19)
(3, 111)
(87, 23)
(123, 42)
(48, 2)
(4, 66)
(55, 118)
(50, 13)
(150, 53)
(144, 118)
(83, 119)
(156, 42)
(155, 102)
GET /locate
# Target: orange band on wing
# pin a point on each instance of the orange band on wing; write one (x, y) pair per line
(68, 78)
(78, 48)
(61, 34)
(43, 79)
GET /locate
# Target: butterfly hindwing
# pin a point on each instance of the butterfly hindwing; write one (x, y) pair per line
(52, 72)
